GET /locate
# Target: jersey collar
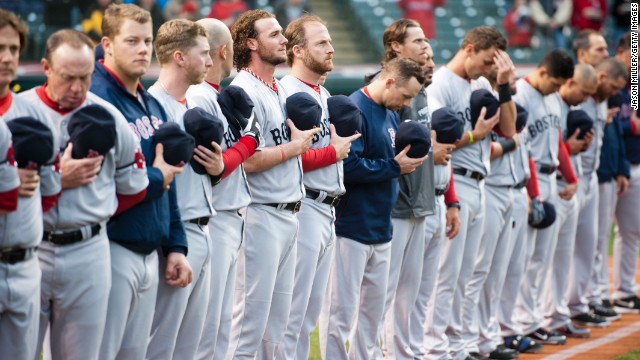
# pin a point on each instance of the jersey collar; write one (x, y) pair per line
(42, 94)
(5, 103)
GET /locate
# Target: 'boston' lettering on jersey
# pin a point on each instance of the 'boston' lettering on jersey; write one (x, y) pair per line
(278, 134)
(324, 124)
(145, 128)
(543, 124)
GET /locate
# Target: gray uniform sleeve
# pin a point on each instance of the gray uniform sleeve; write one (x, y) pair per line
(9, 179)
(131, 172)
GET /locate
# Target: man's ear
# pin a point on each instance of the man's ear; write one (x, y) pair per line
(252, 44)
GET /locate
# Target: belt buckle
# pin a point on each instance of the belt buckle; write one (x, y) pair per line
(335, 201)
(296, 207)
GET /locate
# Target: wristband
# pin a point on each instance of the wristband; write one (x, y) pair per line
(508, 145)
(453, 205)
(504, 93)
(470, 136)
(215, 179)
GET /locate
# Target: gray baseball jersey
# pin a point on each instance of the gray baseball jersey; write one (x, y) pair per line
(94, 202)
(503, 171)
(449, 89)
(543, 123)
(590, 158)
(576, 161)
(23, 227)
(9, 179)
(232, 192)
(328, 178)
(521, 158)
(283, 182)
(194, 190)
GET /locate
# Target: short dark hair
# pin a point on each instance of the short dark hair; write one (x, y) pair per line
(624, 43)
(582, 42)
(483, 38)
(614, 68)
(74, 38)
(7, 18)
(558, 64)
(402, 70)
(396, 32)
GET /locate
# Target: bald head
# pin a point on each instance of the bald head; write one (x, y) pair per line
(221, 51)
(585, 74)
(219, 33)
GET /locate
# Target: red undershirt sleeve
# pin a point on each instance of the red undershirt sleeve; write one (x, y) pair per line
(565, 168)
(532, 184)
(9, 200)
(237, 154)
(127, 201)
(313, 159)
(49, 202)
(450, 194)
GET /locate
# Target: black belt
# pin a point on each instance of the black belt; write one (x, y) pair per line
(329, 200)
(15, 255)
(202, 221)
(546, 169)
(440, 192)
(521, 184)
(69, 237)
(294, 207)
(469, 173)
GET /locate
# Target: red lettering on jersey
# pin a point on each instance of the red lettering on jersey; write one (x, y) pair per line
(147, 124)
(142, 129)
(392, 135)
(155, 122)
(56, 164)
(135, 130)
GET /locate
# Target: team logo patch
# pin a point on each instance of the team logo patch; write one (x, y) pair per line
(11, 158)
(392, 135)
(139, 160)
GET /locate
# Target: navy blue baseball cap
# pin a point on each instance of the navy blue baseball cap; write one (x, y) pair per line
(178, 145)
(521, 117)
(236, 106)
(549, 216)
(415, 134)
(578, 119)
(304, 111)
(92, 131)
(32, 142)
(204, 128)
(482, 98)
(448, 126)
(344, 115)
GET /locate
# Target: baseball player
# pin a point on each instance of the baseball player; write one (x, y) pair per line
(228, 197)
(582, 85)
(613, 166)
(480, 49)
(310, 53)
(134, 260)
(588, 309)
(625, 298)
(589, 48)
(74, 255)
(534, 93)
(416, 200)
(25, 194)
(274, 174)
(483, 290)
(183, 52)
(359, 273)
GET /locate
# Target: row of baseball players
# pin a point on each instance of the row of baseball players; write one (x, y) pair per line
(283, 270)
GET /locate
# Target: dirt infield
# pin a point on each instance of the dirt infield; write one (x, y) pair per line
(617, 339)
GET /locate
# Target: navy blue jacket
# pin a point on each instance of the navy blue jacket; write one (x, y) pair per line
(613, 161)
(370, 176)
(631, 142)
(155, 222)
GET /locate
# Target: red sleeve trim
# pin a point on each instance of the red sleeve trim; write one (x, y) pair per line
(49, 202)
(450, 195)
(565, 168)
(313, 159)
(496, 129)
(9, 200)
(491, 147)
(127, 201)
(566, 145)
(237, 154)
(532, 184)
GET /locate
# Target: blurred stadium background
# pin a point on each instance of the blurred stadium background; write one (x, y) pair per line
(356, 27)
